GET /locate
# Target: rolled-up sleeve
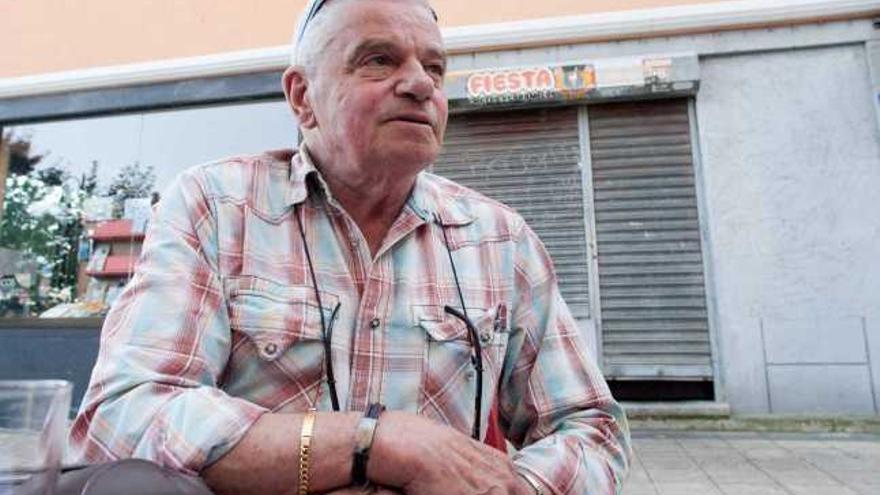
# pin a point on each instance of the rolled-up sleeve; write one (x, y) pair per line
(154, 391)
(554, 402)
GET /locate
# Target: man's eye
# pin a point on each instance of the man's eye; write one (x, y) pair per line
(436, 69)
(378, 61)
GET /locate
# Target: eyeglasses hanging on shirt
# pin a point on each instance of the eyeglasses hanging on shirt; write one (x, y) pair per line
(473, 337)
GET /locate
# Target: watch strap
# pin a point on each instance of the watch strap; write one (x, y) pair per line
(366, 430)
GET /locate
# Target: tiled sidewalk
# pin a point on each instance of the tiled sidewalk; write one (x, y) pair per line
(691, 463)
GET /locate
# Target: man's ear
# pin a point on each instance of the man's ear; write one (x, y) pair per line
(295, 85)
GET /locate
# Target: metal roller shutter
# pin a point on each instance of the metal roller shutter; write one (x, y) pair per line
(529, 160)
(651, 287)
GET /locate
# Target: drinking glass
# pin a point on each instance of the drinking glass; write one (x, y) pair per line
(33, 427)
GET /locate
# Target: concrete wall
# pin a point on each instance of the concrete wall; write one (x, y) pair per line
(790, 168)
(791, 173)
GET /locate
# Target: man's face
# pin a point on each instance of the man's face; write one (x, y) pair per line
(376, 92)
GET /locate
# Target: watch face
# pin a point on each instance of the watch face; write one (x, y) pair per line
(363, 435)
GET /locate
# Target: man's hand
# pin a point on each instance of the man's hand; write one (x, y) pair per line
(422, 457)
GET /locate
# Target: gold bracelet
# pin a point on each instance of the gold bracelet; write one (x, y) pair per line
(305, 449)
(539, 489)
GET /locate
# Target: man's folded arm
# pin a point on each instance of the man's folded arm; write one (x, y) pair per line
(555, 405)
(154, 390)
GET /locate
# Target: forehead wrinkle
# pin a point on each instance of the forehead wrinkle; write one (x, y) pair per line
(389, 44)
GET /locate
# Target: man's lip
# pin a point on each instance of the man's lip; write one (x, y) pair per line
(414, 118)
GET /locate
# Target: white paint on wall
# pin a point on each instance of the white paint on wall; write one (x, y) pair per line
(812, 389)
(817, 339)
(791, 156)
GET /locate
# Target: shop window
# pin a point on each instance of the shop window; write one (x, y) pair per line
(76, 196)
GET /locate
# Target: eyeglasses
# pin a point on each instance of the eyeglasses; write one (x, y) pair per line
(315, 7)
(476, 360)
(473, 336)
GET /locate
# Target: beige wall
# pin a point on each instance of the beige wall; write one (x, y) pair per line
(40, 36)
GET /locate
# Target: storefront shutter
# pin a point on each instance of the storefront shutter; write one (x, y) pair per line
(528, 159)
(651, 286)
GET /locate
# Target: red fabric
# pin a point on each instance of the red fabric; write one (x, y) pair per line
(494, 437)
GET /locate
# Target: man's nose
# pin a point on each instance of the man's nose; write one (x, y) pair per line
(415, 82)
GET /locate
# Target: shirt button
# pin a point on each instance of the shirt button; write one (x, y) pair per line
(486, 337)
(374, 324)
(270, 349)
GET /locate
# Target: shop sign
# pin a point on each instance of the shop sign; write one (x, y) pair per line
(582, 80)
(533, 83)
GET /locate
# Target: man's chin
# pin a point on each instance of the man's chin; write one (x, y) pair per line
(411, 156)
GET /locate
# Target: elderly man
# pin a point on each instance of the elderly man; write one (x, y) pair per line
(337, 318)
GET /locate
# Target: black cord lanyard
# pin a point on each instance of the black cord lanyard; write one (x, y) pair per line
(473, 337)
(326, 332)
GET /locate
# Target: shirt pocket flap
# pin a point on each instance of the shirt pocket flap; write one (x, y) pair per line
(444, 327)
(274, 316)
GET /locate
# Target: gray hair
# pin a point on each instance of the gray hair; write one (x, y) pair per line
(308, 40)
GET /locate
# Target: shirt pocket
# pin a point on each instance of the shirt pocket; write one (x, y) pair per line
(448, 387)
(277, 353)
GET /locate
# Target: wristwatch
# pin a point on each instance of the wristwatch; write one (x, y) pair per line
(535, 484)
(363, 440)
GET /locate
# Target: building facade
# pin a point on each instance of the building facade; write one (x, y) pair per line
(703, 173)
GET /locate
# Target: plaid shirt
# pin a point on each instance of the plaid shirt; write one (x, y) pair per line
(220, 324)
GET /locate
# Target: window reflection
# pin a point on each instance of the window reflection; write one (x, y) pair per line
(77, 196)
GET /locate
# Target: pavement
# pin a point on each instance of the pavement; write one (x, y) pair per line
(752, 463)
(685, 462)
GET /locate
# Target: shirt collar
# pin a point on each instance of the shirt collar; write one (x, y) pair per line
(301, 168)
(434, 203)
(427, 200)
